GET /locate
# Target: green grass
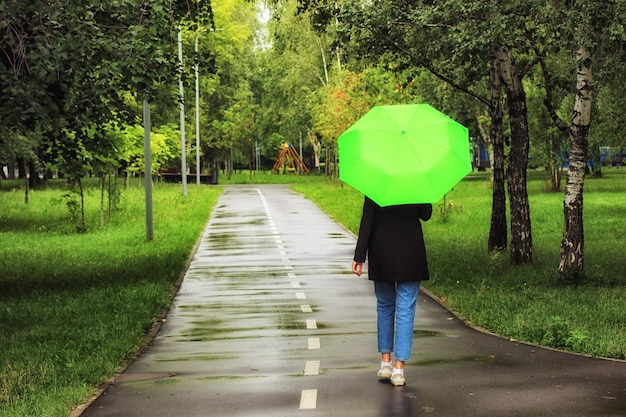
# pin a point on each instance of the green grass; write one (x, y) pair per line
(74, 307)
(524, 302)
(267, 177)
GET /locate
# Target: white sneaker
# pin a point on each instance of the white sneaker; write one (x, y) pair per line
(397, 379)
(384, 372)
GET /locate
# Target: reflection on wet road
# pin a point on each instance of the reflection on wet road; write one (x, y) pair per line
(269, 321)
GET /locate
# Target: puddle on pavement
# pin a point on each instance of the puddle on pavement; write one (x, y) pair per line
(244, 274)
(239, 333)
(241, 322)
(152, 382)
(216, 377)
(427, 333)
(432, 362)
(220, 222)
(204, 357)
(233, 214)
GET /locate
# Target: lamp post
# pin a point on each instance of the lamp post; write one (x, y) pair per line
(183, 156)
(197, 58)
(147, 152)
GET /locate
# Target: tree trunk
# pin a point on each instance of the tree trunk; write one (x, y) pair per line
(573, 243)
(327, 164)
(33, 175)
(83, 223)
(555, 166)
(102, 178)
(250, 156)
(317, 147)
(555, 177)
(11, 171)
(229, 172)
(521, 237)
(26, 184)
(498, 231)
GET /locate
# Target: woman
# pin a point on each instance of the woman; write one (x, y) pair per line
(391, 238)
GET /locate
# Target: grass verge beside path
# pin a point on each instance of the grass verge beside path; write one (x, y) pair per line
(74, 307)
(525, 302)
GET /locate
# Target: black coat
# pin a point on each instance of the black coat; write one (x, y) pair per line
(392, 239)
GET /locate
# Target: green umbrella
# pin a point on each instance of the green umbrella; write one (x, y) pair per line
(404, 154)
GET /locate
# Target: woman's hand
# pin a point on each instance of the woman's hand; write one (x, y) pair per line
(357, 268)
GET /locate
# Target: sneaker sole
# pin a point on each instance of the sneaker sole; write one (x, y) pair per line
(398, 383)
(383, 375)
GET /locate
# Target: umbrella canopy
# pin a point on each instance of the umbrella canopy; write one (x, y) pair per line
(404, 154)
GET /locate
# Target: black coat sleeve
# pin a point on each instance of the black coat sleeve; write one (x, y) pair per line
(426, 211)
(365, 230)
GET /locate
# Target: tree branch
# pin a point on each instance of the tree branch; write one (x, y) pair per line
(548, 99)
(442, 77)
(529, 67)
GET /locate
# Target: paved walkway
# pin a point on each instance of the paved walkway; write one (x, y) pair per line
(270, 322)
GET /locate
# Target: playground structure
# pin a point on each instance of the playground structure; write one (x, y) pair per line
(289, 160)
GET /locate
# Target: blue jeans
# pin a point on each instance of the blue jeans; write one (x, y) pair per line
(395, 303)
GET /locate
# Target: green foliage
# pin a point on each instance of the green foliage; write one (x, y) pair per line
(557, 333)
(67, 69)
(74, 207)
(294, 62)
(338, 106)
(164, 146)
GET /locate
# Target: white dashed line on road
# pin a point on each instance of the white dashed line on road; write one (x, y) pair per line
(312, 368)
(314, 343)
(308, 399)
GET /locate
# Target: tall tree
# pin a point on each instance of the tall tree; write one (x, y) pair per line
(456, 47)
(64, 65)
(293, 66)
(498, 229)
(521, 236)
(226, 64)
(594, 34)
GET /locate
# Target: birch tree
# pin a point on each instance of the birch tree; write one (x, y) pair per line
(594, 33)
(460, 48)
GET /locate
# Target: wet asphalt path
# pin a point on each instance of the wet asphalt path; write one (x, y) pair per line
(270, 322)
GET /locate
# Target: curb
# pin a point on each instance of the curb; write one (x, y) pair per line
(487, 332)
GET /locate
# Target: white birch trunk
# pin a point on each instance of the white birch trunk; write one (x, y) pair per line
(573, 243)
